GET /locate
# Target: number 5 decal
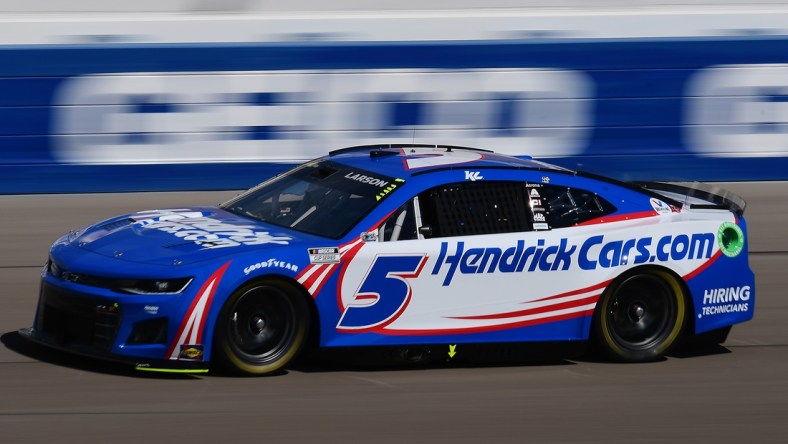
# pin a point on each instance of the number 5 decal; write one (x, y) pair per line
(383, 294)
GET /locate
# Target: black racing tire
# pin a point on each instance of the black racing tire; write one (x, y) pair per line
(640, 316)
(261, 328)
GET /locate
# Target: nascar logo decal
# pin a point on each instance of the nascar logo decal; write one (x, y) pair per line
(317, 273)
(189, 334)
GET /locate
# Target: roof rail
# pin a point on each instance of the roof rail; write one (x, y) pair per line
(382, 146)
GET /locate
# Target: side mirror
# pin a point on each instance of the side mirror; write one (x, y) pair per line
(426, 231)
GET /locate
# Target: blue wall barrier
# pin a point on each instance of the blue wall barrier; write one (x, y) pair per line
(226, 116)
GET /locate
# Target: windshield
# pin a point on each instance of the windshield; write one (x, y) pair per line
(322, 198)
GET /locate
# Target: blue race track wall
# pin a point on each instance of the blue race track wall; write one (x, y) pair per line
(227, 116)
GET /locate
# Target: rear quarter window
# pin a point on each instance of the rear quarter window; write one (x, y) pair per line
(567, 206)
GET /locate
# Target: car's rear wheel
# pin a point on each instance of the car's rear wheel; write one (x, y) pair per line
(640, 316)
(262, 327)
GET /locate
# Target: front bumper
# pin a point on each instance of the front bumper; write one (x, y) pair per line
(141, 364)
(87, 321)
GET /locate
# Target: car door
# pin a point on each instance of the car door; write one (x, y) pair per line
(448, 261)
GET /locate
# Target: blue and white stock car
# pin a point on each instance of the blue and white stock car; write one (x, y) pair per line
(402, 246)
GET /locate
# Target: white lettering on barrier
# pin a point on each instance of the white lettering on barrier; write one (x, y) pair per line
(738, 110)
(291, 116)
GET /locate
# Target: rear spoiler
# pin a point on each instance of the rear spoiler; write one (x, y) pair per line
(696, 195)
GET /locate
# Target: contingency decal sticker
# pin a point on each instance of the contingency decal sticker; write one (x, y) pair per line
(321, 268)
(324, 255)
(659, 206)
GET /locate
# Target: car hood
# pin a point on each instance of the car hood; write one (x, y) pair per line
(181, 236)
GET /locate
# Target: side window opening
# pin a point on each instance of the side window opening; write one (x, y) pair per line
(401, 225)
(571, 206)
(462, 208)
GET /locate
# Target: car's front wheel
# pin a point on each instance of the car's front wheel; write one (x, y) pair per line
(261, 328)
(640, 316)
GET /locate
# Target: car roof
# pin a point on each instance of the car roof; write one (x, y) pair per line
(402, 160)
(407, 160)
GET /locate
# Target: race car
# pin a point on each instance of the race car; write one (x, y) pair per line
(409, 247)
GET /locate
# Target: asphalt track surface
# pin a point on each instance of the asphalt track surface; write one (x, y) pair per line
(737, 392)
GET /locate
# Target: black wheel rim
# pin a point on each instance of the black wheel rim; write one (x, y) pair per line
(261, 325)
(642, 312)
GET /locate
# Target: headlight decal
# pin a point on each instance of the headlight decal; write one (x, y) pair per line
(164, 286)
(153, 286)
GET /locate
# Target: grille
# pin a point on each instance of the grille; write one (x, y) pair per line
(72, 319)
